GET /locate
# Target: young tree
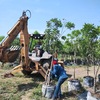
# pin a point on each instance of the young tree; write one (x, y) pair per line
(52, 34)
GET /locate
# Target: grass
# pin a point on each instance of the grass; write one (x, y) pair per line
(21, 87)
(36, 93)
(9, 90)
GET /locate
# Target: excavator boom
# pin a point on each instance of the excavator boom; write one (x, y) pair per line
(6, 55)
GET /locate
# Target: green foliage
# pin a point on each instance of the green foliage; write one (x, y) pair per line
(37, 93)
(52, 34)
(36, 32)
(1, 38)
(63, 37)
(16, 41)
(54, 23)
(84, 42)
(89, 41)
(70, 25)
(10, 90)
(33, 42)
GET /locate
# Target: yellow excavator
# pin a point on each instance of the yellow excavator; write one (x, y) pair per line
(28, 63)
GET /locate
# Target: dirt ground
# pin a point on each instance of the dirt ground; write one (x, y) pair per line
(27, 84)
(80, 72)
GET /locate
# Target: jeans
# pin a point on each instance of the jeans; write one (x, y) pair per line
(57, 92)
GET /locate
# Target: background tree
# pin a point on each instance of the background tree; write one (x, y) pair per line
(52, 34)
(90, 35)
(34, 42)
(16, 42)
(1, 38)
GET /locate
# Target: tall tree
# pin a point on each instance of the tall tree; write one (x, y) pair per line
(52, 34)
(90, 35)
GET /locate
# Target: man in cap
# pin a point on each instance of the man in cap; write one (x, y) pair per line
(58, 72)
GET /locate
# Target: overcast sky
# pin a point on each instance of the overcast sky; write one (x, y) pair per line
(76, 11)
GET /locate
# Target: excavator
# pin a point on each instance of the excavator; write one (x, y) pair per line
(28, 63)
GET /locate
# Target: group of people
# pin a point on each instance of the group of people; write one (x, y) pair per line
(60, 74)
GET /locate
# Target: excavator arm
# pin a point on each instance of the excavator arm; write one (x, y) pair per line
(6, 55)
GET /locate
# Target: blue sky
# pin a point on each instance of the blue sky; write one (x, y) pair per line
(76, 11)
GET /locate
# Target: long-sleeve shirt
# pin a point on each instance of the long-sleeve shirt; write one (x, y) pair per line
(58, 72)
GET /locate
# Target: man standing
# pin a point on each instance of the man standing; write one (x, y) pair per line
(59, 73)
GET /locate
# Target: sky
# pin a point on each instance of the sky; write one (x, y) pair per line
(75, 11)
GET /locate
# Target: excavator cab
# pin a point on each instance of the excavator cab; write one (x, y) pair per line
(39, 55)
(37, 48)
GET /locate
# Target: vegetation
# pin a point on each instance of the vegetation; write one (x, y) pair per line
(83, 43)
(21, 87)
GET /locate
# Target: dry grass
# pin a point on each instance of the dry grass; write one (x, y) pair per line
(21, 87)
